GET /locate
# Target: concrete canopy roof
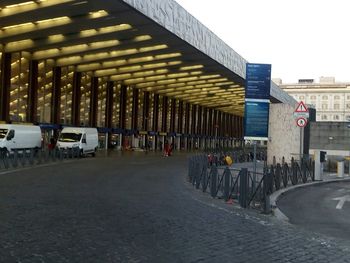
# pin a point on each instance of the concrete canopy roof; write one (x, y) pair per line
(153, 45)
(113, 40)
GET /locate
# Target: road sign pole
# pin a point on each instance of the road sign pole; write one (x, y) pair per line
(301, 145)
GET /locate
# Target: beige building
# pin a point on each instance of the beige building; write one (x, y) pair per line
(331, 99)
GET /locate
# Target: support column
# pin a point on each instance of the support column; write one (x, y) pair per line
(145, 111)
(32, 92)
(122, 107)
(155, 118)
(76, 97)
(93, 102)
(155, 112)
(5, 81)
(180, 117)
(56, 95)
(135, 109)
(109, 104)
(194, 119)
(200, 121)
(187, 118)
(164, 114)
(109, 110)
(172, 115)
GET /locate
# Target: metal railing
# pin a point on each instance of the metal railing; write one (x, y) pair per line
(229, 183)
(30, 157)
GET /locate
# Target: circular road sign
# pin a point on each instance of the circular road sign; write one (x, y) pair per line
(301, 122)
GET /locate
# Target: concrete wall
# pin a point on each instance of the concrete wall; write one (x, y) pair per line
(284, 134)
(332, 136)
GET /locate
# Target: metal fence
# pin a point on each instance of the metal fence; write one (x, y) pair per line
(249, 189)
(30, 157)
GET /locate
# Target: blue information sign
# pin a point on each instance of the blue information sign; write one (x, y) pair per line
(258, 81)
(256, 120)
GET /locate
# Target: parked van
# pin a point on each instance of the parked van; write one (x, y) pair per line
(86, 139)
(16, 136)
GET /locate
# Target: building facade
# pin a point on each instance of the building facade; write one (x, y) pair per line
(331, 99)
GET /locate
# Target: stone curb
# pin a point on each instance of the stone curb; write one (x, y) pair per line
(277, 195)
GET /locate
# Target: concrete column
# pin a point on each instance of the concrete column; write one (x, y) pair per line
(56, 95)
(164, 114)
(76, 97)
(5, 81)
(135, 109)
(109, 109)
(180, 118)
(122, 107)
(32, 92)
(93, 102)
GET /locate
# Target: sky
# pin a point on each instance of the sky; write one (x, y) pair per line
(300, 38)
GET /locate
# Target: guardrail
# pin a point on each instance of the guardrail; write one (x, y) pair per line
(251, 191)
(31, 157)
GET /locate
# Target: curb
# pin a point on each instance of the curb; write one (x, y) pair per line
(277, 195)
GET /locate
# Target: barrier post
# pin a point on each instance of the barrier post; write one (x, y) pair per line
(243, 187)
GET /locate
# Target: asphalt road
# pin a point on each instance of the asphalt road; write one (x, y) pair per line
(323, 208)
(139, 207)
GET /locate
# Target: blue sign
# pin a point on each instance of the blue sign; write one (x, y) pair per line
(258, 81)
(256, 120)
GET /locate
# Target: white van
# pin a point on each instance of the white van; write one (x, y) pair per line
(86, 139)
(16, 136)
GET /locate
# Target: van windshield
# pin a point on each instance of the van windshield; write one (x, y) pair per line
(69, 137)
(3, 133)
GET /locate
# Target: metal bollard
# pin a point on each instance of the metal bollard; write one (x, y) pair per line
(243, 187)
(227, 177)
(213, 182)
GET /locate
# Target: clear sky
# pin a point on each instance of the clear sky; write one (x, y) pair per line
(300, 38)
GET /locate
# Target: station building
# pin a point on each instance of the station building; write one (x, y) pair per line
(143, 72)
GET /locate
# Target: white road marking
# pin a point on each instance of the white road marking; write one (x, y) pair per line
(342, 201)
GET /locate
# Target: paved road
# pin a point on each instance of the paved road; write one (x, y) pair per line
(139, 208)
(323, 208)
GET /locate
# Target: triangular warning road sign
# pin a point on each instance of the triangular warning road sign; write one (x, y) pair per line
(301, 107)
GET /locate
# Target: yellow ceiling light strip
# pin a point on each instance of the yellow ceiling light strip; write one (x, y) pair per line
(191, 67)
(105, 55)
(28, 6)
(116, 63)
(98, 14)
(44, 54)
(32, 26)
(104, 30)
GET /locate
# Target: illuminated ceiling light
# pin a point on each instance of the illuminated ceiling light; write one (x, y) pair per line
(209, 76)
(170, 55)
(98, 14)
(177, 75)
(52, 20)
(193, 73)
(20, 4)
(152, 48)
(120, 77)
(18, 44)
(191, 67)
(168, 81)
(188, 79)
(56, 38)
(216, 80)
(142, 38)
(18, 25)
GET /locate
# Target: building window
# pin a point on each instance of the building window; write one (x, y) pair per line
(324, 97)
(336, 106)
(348, 97)
(324, 106)
(337, 97)
(313, 97)
(347, 118)
(324, 117)
(301, 98)
(336, 117)
(347, 106)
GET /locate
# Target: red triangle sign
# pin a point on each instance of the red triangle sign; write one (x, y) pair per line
(301, 107)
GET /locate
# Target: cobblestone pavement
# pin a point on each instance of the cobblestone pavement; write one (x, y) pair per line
(139, 208)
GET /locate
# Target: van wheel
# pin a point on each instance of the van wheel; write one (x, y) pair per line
(94, 153)
(81, 154)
